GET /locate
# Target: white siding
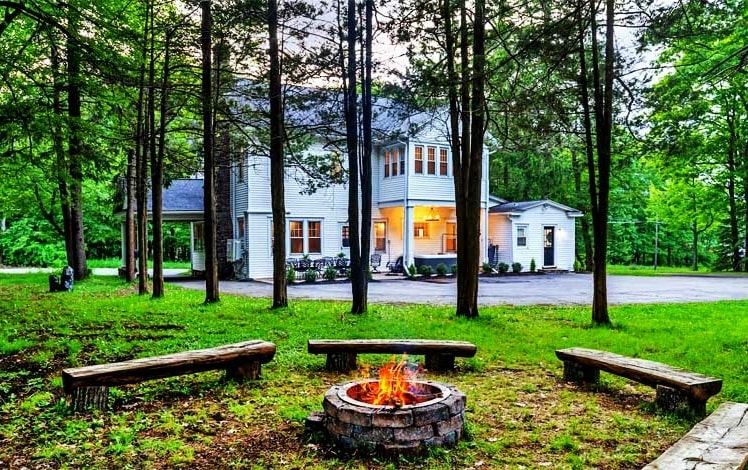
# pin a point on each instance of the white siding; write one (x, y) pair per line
(535, 220)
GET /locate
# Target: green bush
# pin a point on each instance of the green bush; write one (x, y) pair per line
(290, 274)
(310, 275)
(532, 265)
(441, 269)
(412, 270)
(425, 270)
(454, 269)
(487, 268)
(516, 267)
(330, 273)
(30, 243)
(503, 267)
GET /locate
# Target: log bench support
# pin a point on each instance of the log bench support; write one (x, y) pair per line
(676, 389)
(717, 442)
(88, 386)
(342, 354)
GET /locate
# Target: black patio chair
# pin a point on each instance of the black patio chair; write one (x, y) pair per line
(375, 261)
(396, 267)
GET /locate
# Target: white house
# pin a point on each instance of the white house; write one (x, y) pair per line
(413, 208)
(413, 211)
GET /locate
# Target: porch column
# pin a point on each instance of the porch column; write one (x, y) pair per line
(484, 237)
(408, 241)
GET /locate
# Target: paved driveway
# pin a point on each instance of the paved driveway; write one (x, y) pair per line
(551, 289)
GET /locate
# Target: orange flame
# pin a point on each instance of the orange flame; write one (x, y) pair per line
(395, 386)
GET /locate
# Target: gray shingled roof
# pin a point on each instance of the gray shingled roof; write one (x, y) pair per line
(509, 207)
(182, 196)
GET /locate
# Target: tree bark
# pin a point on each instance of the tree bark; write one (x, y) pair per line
(157, 178)
(277, 163)
(352, 143)
(130, 183)
(209, 196)
(141, 157)
(75, 151)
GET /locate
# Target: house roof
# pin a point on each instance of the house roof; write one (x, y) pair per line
(523, 206)
(182, 200)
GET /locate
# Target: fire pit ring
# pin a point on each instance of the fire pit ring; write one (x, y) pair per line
(356, 425)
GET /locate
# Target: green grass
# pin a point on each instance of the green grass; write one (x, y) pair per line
(639, 270)
(519, 412)
(116, 263)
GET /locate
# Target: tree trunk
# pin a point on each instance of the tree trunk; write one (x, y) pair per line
(157, 178)
(130, 216)
(141, 158)
(209, 196)
(277, 163)
(352, 142)
(75, 151)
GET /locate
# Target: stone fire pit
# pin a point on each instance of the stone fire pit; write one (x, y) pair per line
(437, 419)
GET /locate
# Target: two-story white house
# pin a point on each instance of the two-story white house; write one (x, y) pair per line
(413, 210)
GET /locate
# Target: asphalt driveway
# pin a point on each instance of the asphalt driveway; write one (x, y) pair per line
(549, 289)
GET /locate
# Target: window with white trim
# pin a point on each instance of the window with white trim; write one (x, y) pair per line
(305, 236)
(521, 235)
(431, 160)
(418, 160)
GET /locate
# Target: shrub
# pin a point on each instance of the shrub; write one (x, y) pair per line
(290, 274)
(330, 273)
(425, 270)
(516, 267)
(503, 267)
(578, 266)
(454, 269)
(441, 269)
(310, 275)
(487, 268)
(532, 265)
(412, 271)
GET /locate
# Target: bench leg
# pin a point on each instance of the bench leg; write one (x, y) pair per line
(440, 362)
(670, 399)
(248, 370)
(575, 372)
(341, 362)
(83, 398)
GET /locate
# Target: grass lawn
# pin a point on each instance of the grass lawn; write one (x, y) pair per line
(520, 414)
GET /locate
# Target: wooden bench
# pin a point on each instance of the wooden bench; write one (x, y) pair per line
(341, 354)
(720, 441)
(675, 387)
(88, 386)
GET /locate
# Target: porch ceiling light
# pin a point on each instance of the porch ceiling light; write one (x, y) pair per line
(432, 216)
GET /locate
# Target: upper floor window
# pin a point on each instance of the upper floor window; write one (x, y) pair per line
(521, 235)
(393, 161)
(241, 170)
(418, 160)
(387, 157)
(432, 160)
(402, 162)
(443, 161)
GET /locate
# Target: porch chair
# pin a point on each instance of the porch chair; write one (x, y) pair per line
(375, 261)
(396, 267)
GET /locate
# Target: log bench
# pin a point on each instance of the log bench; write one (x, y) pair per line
(341, 354)
(719, 442)
(88, 386)
(675, 387)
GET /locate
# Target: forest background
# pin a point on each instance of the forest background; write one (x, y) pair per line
(75, 76)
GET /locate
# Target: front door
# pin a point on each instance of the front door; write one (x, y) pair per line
(548, 241)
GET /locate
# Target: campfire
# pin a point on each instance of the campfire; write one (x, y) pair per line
(395, 413)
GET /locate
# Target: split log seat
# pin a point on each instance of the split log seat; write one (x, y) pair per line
(341, 354)
(675, 387)
(719, 442)
(88, 386)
